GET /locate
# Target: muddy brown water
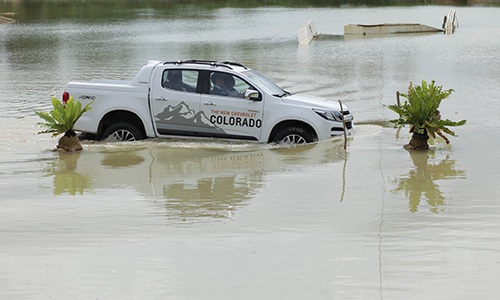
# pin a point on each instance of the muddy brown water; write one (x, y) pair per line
(176, 219)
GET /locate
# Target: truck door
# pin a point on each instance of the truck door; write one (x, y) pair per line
(227, 108)
(175, 102)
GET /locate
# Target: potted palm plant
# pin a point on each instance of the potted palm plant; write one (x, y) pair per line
(62, 119)
(420, 110)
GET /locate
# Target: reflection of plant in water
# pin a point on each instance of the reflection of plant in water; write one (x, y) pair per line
(66, 179)
(420, 181)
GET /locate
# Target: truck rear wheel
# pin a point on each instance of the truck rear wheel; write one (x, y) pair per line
(293, 136)
(122, 132)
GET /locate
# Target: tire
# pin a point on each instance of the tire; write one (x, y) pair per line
(122, 132)
(293, 136)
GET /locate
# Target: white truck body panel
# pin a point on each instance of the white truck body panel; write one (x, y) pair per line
(158, 109)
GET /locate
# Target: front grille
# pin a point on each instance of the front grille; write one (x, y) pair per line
(348, 125)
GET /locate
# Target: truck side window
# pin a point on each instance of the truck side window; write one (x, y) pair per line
(180, 80)
(227, 85)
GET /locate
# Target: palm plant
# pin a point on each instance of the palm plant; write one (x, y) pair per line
(62, 119)
(420, 111)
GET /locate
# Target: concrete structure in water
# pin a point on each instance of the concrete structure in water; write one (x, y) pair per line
(382, 29)
(308, 32)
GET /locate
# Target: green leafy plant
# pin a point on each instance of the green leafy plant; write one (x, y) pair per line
(62, 119)
(421, 112)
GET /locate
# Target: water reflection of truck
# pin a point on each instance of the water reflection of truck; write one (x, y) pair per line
(190, 180)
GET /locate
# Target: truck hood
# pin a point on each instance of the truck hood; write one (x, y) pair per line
(314, 102)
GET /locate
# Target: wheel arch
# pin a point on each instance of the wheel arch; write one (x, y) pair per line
(291, 123)
(120, 116)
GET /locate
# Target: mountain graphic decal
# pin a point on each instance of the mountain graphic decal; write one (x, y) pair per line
(181, 114)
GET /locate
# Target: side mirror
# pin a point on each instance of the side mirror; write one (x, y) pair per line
(252, 95)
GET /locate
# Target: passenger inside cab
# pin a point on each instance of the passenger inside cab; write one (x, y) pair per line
(218, 87)
(174, 80)
(229, 84)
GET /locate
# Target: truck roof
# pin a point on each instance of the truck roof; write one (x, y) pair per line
(144, 74)
(209, 63)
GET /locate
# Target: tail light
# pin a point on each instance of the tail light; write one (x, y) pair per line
(65, 98)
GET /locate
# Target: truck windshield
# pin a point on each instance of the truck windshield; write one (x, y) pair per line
(264, 83)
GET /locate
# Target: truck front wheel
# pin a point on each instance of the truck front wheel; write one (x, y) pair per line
(122, 132)
(293, 136)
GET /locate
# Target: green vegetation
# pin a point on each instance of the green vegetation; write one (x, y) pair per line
(420, 111)
(62, 119)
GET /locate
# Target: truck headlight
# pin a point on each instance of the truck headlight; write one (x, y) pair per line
(329, 115)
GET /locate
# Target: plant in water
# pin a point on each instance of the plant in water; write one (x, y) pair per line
(62, 119)
(421, 112)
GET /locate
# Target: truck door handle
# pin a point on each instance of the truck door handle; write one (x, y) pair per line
(161, 99)
(209, 103)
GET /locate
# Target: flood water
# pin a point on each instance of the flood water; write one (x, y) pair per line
(174, 219)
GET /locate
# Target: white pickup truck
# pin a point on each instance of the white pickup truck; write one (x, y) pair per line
(204, 99)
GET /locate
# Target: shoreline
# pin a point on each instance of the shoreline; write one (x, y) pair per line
(7, 20)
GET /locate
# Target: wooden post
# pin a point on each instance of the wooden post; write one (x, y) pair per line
(397, 98)
(343, 124)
